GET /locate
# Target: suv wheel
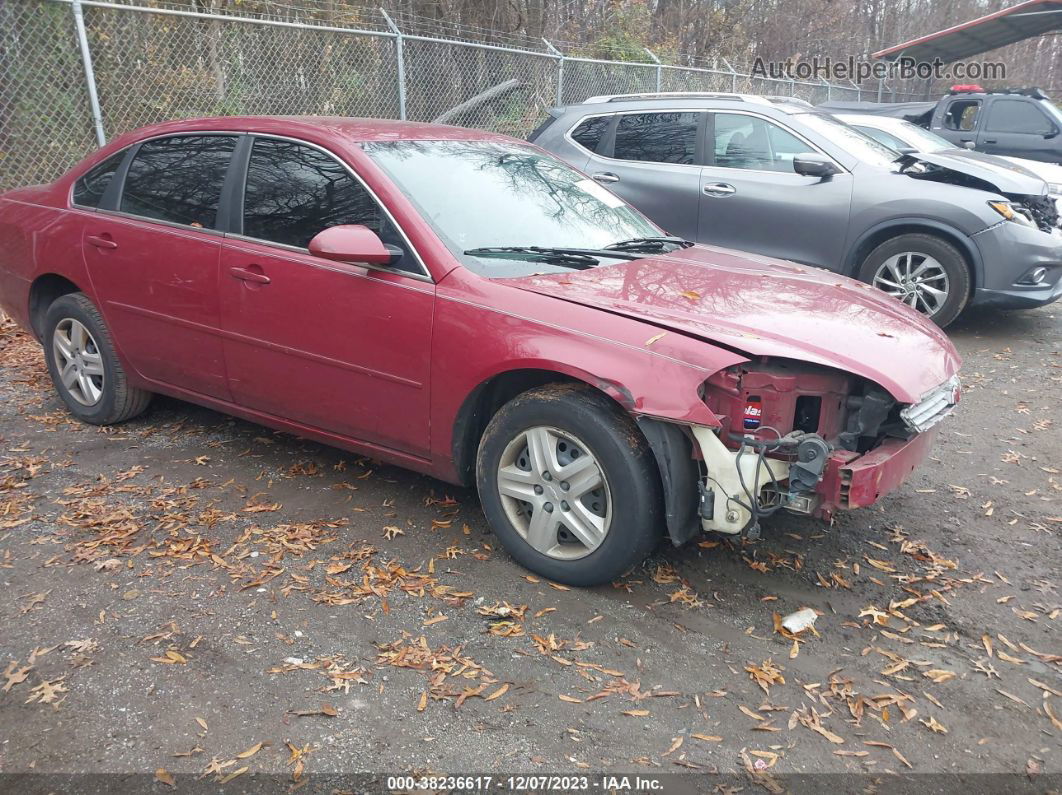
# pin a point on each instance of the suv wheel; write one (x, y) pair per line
(569, 485)
(83, 364)
(926, 273)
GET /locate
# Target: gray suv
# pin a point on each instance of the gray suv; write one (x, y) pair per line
(779, 178)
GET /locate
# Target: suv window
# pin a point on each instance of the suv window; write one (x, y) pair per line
(89, 190)
(1018, 116)
(742, 141)
(962, 114)
(293, 191)
(657, 137)
(589, 132)
(178, 179)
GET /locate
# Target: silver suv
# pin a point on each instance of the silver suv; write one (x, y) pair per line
(776, 177)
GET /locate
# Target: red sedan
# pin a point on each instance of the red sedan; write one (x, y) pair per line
(465, 305)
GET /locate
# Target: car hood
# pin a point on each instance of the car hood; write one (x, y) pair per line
(1005, 177)
(766, 307)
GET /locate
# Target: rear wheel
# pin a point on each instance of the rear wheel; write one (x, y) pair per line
(926, 273)
(569, 485)
(84, 366)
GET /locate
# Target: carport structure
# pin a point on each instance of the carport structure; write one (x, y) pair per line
(1023, 21)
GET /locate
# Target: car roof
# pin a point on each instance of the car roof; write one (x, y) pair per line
(357, 130)
(709, 100)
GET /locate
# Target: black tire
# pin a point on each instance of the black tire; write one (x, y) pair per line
(951, 261)
(118, 401)
(624, 457)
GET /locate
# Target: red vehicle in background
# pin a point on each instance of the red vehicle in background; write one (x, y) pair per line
(465, 305)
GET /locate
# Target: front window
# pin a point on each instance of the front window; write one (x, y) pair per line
(849, 139)
(749, 142)
(481, 194)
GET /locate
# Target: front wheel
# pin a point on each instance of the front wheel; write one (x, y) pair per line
(569, 485)
(926, 273)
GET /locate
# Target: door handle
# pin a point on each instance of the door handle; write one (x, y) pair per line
(719, 189)
(246, 275)
(990, 140)
(101, 241)
(604, 177)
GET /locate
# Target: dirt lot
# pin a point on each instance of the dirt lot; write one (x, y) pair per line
(195, 599)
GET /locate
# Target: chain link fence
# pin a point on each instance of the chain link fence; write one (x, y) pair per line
(146, 64)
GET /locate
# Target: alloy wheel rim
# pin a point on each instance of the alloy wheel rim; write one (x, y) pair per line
(555, 493)
(79, 362)
(918, 280)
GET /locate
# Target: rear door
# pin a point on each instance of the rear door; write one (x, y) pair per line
(751, 199)
(1018, 127)
(652, 159)
(339, 347)
(152, 253)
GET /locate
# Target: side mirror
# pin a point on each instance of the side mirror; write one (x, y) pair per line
(906, 150)
(352, 243)
(968, 145)
(1051, 133)
(811, 164)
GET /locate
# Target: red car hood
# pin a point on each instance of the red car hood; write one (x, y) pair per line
(766, 307)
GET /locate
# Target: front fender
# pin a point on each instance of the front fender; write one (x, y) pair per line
(645, 371)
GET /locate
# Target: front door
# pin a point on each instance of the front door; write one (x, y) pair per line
(341, 348)
(751, 199)
(154, 263)
(1018, 127)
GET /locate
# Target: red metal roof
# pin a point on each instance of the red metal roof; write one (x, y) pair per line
(1023, 21)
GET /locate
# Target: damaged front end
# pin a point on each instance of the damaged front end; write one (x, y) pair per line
(792, 436)
(1040, 209)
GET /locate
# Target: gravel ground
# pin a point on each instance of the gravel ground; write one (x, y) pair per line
(195, 601)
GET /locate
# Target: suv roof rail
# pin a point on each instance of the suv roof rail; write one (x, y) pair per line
(674, 95)
(783, 99)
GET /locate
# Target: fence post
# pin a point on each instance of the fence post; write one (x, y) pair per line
(829, 89)
(733, 75)
(560, 69)
(400, 57)
(659, 70)
(90, 74)
(881, 87)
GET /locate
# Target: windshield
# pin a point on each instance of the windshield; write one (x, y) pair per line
(923, 140)
(482, 194)
(850, 139)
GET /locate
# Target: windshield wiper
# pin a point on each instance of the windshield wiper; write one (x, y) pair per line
(576, 257)
(553, 256)
(649, 244)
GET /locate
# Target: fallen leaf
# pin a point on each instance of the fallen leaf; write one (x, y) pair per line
(163, 776)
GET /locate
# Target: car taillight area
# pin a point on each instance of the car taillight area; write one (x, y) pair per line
(808, 439)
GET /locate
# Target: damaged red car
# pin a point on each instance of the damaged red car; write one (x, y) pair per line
(464, 304)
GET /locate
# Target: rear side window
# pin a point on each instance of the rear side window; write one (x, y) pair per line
(178, 179)
(657, 137)
(1015, 115)
(294, 191)
(89, 190)
(589, 132)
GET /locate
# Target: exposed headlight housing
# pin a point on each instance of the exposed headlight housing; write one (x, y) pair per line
(934, 406)
(1006, 209)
